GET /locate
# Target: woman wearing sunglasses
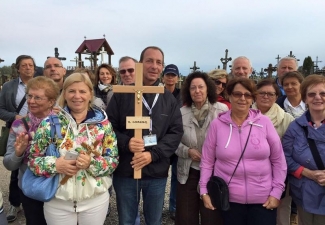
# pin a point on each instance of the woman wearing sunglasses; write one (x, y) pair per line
(220, 78)
(256, 185)
(304, 148)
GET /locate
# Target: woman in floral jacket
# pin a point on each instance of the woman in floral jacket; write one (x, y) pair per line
(83, 199)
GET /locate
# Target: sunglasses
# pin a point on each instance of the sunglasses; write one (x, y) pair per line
(313, 94)
(131, 70)
(238, 94)
(218, 82)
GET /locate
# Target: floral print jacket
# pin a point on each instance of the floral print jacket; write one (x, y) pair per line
(87, 183)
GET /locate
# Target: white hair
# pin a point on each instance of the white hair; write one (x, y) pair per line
(242, 57)
(287, 59)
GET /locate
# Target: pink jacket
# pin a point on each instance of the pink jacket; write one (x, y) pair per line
(262, 170)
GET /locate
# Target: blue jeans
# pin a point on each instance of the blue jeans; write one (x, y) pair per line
(173, 186)
(128, 196)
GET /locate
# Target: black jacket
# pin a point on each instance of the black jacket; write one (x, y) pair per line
(167, 125)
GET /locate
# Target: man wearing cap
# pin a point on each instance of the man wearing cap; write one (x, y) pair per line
(170, 79)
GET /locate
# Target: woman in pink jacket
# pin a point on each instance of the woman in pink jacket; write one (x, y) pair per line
(256, 186)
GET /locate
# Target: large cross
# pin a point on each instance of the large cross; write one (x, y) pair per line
(270, 70)
(194, 68)
(75, 59)
(225, 60)
(137, 122)
(56, 55)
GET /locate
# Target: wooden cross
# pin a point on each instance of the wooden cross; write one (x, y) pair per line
(194, 68)
(225, 60)
(270, 70)
(75, 59)
(137, 122)
(278, 58)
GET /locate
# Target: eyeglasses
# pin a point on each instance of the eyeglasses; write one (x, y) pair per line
(56, 66)
(218, 82)
(36, 98)
(313, 94)
(130, 70)
(194, 88)
(238, 94)
(269, 94)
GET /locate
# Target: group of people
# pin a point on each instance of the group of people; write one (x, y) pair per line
(252, 136)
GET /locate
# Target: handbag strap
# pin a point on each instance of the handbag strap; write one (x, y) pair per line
(22, 102)
(314, 150)
(242, 153)
(25, 124)
(55, 128)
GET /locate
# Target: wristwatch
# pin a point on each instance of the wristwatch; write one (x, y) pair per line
(201, 196)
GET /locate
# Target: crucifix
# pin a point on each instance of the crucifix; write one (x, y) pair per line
(138, 122)
(102, 52)
(278, 58)
(316, 63)
(194, 68)
(293, 56)
(225, 60)
(270, 70)
(75, 59)
(56, 55)
(261, 73)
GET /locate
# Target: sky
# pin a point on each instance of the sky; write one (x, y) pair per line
(186, 30)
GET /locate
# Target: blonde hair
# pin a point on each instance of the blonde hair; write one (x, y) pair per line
(74, 78)
(218, 74)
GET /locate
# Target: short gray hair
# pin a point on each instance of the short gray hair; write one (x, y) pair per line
(242, 57)
(287, 59)
(126, 58)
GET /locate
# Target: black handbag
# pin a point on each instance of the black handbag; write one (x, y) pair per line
(218, 188)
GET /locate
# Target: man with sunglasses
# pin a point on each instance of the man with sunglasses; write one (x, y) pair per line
(54, 70)
(127, 70)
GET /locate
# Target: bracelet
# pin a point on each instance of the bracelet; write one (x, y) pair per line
(201, 196)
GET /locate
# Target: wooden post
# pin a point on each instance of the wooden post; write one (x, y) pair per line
(138, 122)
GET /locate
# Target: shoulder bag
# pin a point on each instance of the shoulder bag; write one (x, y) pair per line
(218, 188)
(43, 188)
(314, 150)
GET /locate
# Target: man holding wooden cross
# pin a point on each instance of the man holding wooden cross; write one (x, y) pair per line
(146, 156)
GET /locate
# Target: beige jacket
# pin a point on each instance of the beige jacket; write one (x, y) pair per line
(189, 139)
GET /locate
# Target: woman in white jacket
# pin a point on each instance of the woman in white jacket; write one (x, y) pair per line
(200, 108)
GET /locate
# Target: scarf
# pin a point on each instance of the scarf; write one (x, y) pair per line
(201, 114)
(34, 122)
(104, 88)
(275, 114)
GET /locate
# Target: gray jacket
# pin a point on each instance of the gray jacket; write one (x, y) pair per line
(189, 139)
(8, 101)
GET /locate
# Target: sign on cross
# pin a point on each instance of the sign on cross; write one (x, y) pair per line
(138, 122)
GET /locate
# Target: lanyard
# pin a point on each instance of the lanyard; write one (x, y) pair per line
(150, 109)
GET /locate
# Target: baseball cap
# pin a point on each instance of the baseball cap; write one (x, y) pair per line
(171, 68)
